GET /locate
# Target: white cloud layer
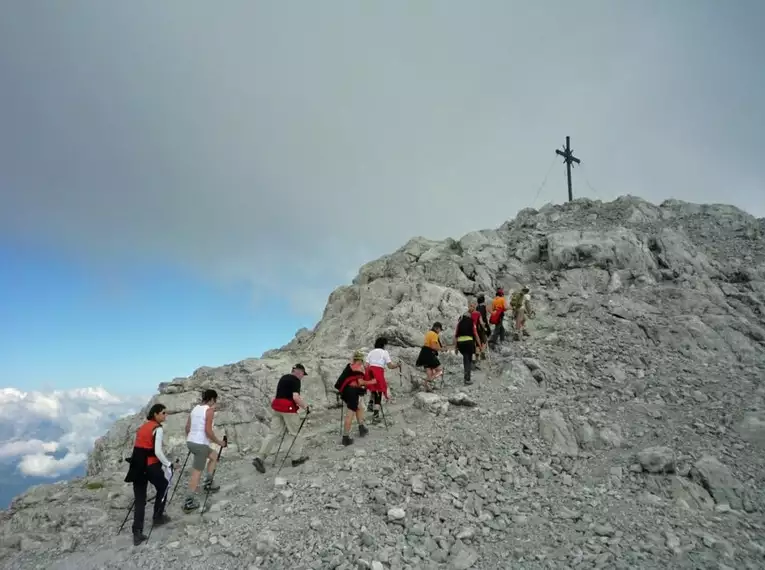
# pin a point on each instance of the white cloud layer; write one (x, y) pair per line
(41, 465)
(49, 434)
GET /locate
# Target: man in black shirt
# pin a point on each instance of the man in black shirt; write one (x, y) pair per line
(285, 406)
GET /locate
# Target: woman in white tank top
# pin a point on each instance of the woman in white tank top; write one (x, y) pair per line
(199, 434)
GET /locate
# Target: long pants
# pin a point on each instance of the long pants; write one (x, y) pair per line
(156, 477)
(279, 422)
(498, 333)
(467, 349)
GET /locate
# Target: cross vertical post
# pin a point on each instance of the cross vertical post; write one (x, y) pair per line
(568, 157)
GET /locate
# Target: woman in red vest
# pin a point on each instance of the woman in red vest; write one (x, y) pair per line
(146, 465)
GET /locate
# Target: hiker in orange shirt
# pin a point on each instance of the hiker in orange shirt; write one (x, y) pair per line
(498, 309)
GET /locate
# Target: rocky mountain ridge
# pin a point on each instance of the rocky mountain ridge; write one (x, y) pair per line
(628, 431)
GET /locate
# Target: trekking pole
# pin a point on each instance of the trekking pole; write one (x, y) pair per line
(382, 411)
(294, 439)
(179, 478)
(130, 509)
(172, 474)
(207, 493)
(276, 455)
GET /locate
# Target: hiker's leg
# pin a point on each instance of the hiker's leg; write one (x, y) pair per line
(199, 453)
(212, 463)
(157, 479)
(139, 508)
(277, 425)
(292, 421)
(348, 420)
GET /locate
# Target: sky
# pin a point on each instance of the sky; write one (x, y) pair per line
(183, 183)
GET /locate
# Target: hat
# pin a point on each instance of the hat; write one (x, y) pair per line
(358, 355)
(300, 367)
(500, 291)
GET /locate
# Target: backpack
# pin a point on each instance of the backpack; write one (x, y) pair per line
(516, 301)
(495, 317)
(465, 326)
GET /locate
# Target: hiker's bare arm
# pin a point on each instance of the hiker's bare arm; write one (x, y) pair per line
(392, 366)
(208, 427)
(299, 400)
(188, 425)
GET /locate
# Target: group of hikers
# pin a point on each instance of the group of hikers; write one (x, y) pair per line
(473, 336)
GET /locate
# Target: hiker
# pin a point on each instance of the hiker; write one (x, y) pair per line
(520, 302)
(351, 385)
(285, 417)
(149, 464)
(199, 434)
(428, 357)
(484, 331)
(465, 335)
(476, 317)
(377, 361)
(498, 309)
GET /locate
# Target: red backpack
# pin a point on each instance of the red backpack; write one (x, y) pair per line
(495, 317)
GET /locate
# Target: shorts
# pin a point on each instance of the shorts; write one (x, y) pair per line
(428, 358)
(351, 397)
(201, 452)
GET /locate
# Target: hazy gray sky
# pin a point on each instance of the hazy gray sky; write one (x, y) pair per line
(285, 143)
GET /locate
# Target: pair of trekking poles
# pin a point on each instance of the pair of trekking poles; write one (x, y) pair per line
(382, 411)
(294, 439)
(169, 483)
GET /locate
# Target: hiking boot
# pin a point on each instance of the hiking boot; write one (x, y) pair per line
(363, 431)
(258, 463)
(347, 440)
(190, 505)
(526, 333)
(138, 538)
(299, 460)
(161, 519)
(210, 487)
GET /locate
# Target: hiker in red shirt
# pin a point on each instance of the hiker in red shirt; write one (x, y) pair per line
(285, 416)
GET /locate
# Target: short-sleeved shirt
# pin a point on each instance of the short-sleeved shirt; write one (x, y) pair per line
(287, 385)
(499, 303)
(378, 357)
(432, 340)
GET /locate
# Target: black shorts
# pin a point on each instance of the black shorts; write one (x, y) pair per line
(428, 358)
(351, 397)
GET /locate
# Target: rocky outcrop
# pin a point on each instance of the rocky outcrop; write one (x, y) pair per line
(626, 431)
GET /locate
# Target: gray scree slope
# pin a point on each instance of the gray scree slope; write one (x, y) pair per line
(627, 432)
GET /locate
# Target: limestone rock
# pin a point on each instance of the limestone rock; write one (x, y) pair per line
(556, 431)
(657, 459)
(718, 480)
(590, 445)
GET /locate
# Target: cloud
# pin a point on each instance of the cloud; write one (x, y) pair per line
(30, 447)
(49, 434)
(283, 146)
(41, 465)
